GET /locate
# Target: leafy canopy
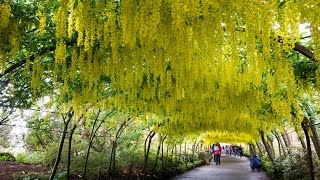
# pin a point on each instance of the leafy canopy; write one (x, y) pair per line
(201, 65)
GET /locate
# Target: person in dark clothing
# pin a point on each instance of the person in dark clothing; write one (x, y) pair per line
(255, 162)
(240, 151)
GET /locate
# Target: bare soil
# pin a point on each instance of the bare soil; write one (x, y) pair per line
(8, 169)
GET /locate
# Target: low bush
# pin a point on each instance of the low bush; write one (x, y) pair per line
(30, 176)
(22, 158)
(7, 157)
(36, 157)
(294, 166)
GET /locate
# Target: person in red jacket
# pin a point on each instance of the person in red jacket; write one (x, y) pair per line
(217, 153)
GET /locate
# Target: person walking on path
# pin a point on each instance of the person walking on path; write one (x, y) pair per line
(231, 169)
(230, 149)
(255, 162)
(240, 151)
(213, 147)
(217, 153)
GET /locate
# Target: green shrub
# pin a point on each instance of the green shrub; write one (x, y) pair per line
(97, 163)
(7, 157)
(22, 158)
(202, 155)
(278, 169)
(61, 176)
(36, 157)
(190, 165)
(30, 176)
(51, 153)
(183, 167)
(294, 166)
(197, 163)
(316, 166)
(136, 157)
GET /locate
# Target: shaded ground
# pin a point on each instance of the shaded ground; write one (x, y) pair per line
(7, 169)
(231, 168)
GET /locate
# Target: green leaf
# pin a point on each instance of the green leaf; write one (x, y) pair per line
(75, 4)
(282, 4)
(61, 176)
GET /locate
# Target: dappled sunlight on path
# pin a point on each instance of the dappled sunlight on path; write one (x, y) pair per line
(231, 168)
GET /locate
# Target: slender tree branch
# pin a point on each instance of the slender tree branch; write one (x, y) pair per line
(15, 66)
(303, 50)
(6, 118)
(31, 58)
(305, 37)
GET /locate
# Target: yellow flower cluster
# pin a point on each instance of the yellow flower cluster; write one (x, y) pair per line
(42, 22)
(5, 12)
(205, 65)
(60, 54)
(61, 20)
(3, 61)
(14, 37)
(37, 73)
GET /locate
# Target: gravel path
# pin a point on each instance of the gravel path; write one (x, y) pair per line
(231, 168)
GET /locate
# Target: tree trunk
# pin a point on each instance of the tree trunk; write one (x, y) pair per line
(180, 152)
(162, 155)
(301, 138)
(185, 151)
(114, 158)
(309, 155)
(112, 165)
(270, 142)
(162, 151)
(91, 138)
(147, 150)
(69, 150)
(286, 138)
(111, 157)
(171, 159)
(63, 136)
(268, 149)
(167, 155)
(281, 142)
(175, 152)
(193, 150)
(279, 147)
(315, 138)
(285, 145)
(252, 148)
(158, 152)
(289, 140)
(259, 148)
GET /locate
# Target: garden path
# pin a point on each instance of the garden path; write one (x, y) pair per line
(231, 168)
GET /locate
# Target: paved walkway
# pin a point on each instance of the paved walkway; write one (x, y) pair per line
(231, 168)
